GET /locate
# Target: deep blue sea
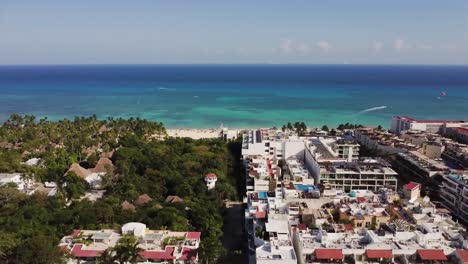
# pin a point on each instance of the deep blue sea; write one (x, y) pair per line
(188, 96)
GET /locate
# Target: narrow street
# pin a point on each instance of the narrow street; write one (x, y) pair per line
(233, 239)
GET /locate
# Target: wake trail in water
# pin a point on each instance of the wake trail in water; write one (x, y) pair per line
(373, 109)
(166, 89)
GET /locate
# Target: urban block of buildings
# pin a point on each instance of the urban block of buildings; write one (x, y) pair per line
(157, 246)
(314, 199)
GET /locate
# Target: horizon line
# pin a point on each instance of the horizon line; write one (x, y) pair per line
(231, 64)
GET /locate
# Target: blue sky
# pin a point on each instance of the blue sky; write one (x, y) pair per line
(216, 31)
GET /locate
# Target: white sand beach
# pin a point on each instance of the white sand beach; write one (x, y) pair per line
(194, 133)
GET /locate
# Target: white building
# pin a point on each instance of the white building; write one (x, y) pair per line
(210, 180)
(280, 248)
(432, 149)
(21, 182)
(366, 174)
(454, 194)
(402, 123)
(32, 162)
(298, 172)
(412, 191)
(157, 246)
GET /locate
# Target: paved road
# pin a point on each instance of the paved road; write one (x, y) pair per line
(233, 238)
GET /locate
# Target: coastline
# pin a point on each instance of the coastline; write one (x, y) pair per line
(195, 133)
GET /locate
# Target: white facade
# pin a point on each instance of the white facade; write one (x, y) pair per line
(134, 228)
(22, 183)
(210, 180)
(367, 174)
(94, 180)
(402, 123)
(432, 150)
(454, 194)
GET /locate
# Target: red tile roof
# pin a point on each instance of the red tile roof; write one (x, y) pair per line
(361, 199)
(411, 186)
(463, 255)
(79, 252)
(211, 176)
(63, 248)
(75, 233)
(189, 254)
(328, 253)
(379, 253)
(461, 130)
(270, 171)
(260, 215)
(348, 227)
(431, 254)
(193, 235)
(158, 255)
(431, 121)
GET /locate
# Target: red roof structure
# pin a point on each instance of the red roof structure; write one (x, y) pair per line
(193, 235)
(431, 254)
(189, 253)
(260, 215)
(461, 130)
(63, 248)
(270, 171)
(302, 226)
(143, 199)
(159, 255)
(328, 253)
(76, 232)
(407, 118)
(379, 253)
(79, 252)
(411, 186)
(211, 176)
(463, 255)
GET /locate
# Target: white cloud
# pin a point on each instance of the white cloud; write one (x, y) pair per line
(286, 46)
(425, 47)
(399, 45)
(324, 45)
(243, 51)
(303, 47)
(377, 46)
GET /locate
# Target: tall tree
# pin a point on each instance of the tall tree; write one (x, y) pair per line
(38, 250)
(127, 250)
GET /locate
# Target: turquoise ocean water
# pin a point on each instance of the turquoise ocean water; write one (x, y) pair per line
(189, 96)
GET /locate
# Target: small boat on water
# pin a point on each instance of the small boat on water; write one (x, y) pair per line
(442, 94)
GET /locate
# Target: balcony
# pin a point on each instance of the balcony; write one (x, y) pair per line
(464, 207)
(449, 199)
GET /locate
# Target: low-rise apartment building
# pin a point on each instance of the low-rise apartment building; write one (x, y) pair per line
(157, 246)
(402, 123)
(365, 174)
(454, 195)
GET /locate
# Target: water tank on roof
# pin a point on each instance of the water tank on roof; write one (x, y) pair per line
(133, 228)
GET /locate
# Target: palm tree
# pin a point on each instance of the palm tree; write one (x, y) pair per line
(127, 250)
(106, 257)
